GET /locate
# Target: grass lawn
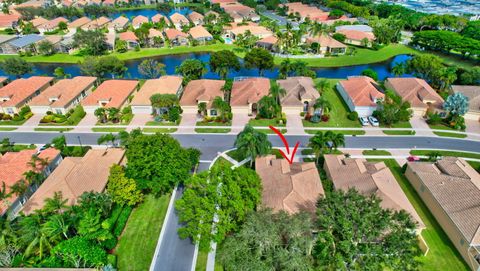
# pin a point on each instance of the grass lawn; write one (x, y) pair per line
(447, 153)
(7, 129)
(441, 127)
(212, 130)
(403, 124)
(376, 152)
(53, 129)
(235, 154)
(111, 130)
(221, 161)
(213, 123)
(442, 255)
(398, 132)
(345, 132)
(265, 122)
(163, 123)
(475, 165)
(137, 244)
(12, 122)
(159, 130)
(201, 261)
(307, 152)
(270, 131)
(446, 134)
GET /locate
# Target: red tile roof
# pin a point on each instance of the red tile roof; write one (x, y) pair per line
(128, 36)
(112, 92)
(18, 91)
(248, 91)
(357, 35)
(6, 20)
(416, 91)
(362, 90)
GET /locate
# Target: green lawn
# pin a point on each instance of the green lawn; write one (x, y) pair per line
(441, 127)
(376, 152)
(201, 264)
(222, 160)
(442, 255)
(7, 129)
(212, 130)
(447, 153)
(345, 132)
(107, 130)
(270, 131)
(307, 152)
(213, 123)
(265, 122)
(398, 132)
(12, 122)
(159, 130)
(446, 134)
(402, 124)
(53, 129)
(137, 244)
(235, 154)
(163, 123)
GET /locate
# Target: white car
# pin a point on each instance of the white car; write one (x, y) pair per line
(364, 121)
(373, 121)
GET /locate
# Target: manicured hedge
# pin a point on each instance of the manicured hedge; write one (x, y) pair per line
(122, 221)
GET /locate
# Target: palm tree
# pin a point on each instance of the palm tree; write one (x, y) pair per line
(318, 143)
(55, 204)
(316, 29)
(324, 104)
(3, 192)
(399, 68)
(33, 236)
(252, 143)
(19, 188)
(56, 227)
(101, 114)
(323, 85)
(276, 92)
(113, 114)
(335, 140)
(107, 138)
(222, 106)
(202, 108)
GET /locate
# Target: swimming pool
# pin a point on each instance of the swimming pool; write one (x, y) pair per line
(228, 40)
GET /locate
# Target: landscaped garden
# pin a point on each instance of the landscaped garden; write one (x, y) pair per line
(113, 116)
(72, 117)
(18, 119)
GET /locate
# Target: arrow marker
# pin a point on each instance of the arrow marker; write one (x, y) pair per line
(289, 156)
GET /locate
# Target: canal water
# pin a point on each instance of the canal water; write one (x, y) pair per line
(149, 13)
(172, 61)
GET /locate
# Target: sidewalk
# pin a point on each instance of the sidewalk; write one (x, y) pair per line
(31, 123)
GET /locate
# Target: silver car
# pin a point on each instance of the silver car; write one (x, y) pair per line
(364, 121)
(373, 121)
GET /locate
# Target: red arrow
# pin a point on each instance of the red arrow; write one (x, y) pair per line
(289, 156)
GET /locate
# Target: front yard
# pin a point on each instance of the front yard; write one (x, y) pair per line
(265, 122)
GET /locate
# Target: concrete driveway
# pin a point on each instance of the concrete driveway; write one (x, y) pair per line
(473, 126)
(239, 120)
(88, 120)
(187, 124)
(31, 123)
(294, 124)
(139, 120)
(419, 123)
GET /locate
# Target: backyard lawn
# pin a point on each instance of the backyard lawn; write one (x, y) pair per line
(137, 244)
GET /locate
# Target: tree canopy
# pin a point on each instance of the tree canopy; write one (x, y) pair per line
(259, 58)
(91, 42)
(16, 66)
(252, 143)
(392, 109)
(223, 61)
(150, 68)
(191, 69)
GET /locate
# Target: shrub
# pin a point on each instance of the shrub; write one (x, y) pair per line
(173, 114)
(122, 221)
(302, 114)
(7, 117)
(112, 260)
(110, 244)
(434, 119)
(17, 117)
(325, 118)
(353, 115)
(24, 111)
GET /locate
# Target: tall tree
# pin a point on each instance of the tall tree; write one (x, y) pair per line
(392, 109)
(223, 61)
(191, 69)
(456, 104)
(150, 68)
(91, 42)
(252, 143)
(277, 92)
(16, 66)
(123, 190)
(318, 143)
(259, 58)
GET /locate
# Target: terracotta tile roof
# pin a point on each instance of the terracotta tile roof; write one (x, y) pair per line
(54, 39)
(178, 18)
(357, 35)
(152, 32)
(268, 40)
(195, 17)
(248, 91)
(128, 36)
(297, 89)
(415, 91)
(119, 22)
(63, 92)
(76, 175)
(473, 95)
(291, 188)
(112, 92)
(204, 90)
(18, 91)
(362, 90)
(163, 85)
(158, 17)
(97, 23)
(3, 80)
(79, 22)
(54, 23)
(14, 164)
(455, 185)
(255, 29)
(139, 20)
(198, 32)
(7, 20)
(369, 178)
(39, 21)
(326, 41)
(173, 33)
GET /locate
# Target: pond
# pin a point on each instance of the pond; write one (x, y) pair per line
(172, 61)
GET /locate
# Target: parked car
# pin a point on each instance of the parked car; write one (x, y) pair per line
(364, 121)
(373, 121)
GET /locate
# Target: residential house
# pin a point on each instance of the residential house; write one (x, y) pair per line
(75, 176)
(357, 27)
(246, 93)
(138, 21)
(9, 21)
(450, 188)
(12, 167)
(159, 17)
(111, 93)
(51, 25)
(95, 24)
(256, 30)
(25, 43)
(164, 85)
(111, 37)
(196, 18)
(176, 37)
(289, 187)
(421, 96)
(178, 20)
(78, 23)
(5, 47)
(21, 91)
(201, 91)
(130, 38)
(369, 178)
(313, 13)
(356, 37)
(155, 37)
(55, 40)
(38, 21)
(63, 96)
(200, 34)
(240, 12)
(361, 94)
(269, 43)
(213, 15)
(327, 45)
(300, 96)
(473, 95)
(3, 81)
(119, 24)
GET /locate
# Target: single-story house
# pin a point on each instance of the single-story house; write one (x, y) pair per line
(52, 25)
(200, 34)
(246, 93)
(256, 30)
(9, 21)
(163, 85)
(473, 95)
(421, 96)
(63, 96)
(12, 167)
(240, 12)
(196, 18)
(327, 45)
(96, 23)
(5, 47)
(21, 91)
(450, 188)
(25, 43)
(119, 24)
(361, 94)
(153, 34)
(289, 187)
(78, 23)
(178, 20)
(3, 81)
(201, 91)
(138, 21)
(176, 37)
(357, 37)
(214, 16)
(369, 178)
(36, 22)
(357, 27)
(130, 38)
(269, 43)
(300, 95)
(55, 40)
(158, 17)
(111, 93)
(75, 176)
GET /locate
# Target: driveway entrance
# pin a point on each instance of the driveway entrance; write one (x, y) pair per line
(187, 124)
(294, 124)
(240, 120)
